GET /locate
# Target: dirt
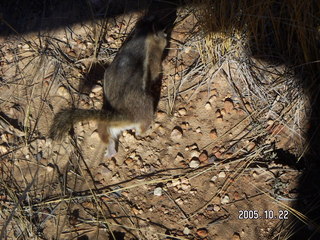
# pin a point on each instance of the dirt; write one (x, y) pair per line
(206, 169)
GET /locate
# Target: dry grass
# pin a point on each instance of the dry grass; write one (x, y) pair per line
(273, 47)
(46, 196)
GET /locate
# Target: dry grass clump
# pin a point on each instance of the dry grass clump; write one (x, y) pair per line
(283, 30)
(270, 43)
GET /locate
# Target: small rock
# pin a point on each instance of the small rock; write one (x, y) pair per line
(254, 174)
(236, 195)
(212, 159)
(179, 158)
(185, 186)
(179, 201)
(202, 232)
(176, 133)
(222, 175)
(194, 153)
(216, 208)
(203, 157)
(186, 231)
(96, 89)
(175, 182)
(49, 168)
(219, 119)
(161, 114)
(270, 122)
(95, 136)
(198, 129)
(214, 178)
(62, 91)
(236, 236)
(225, 199)
(213, 134)
(157, 191)
(182, 111)
(185, 125)
(228, 105)
(208, 106)
(105, 171)
(214, 92)
(128, 161)
(218, 155)
(212, 99)
(193, 146)
(3, 149)
(194, 163)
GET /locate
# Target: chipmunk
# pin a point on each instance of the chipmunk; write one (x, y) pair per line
(128, 102)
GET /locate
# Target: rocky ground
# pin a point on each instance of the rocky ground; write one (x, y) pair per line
(210, 167)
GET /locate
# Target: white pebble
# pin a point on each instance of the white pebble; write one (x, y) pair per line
(182, 111)
(194, 153)
(208, 106)
(176, 133)
(222, 175)
(194, 163)
(186, 231)
(214, 178)
(157, 191)
(225, 199)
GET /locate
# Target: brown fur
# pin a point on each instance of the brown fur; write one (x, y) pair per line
(127, 82)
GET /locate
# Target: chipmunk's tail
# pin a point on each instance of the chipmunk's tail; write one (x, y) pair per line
(66, 118)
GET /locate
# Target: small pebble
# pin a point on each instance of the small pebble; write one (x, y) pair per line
(194, 153)
(202, 232)
(225, 199)
(222, 175)
(203, 157)
(96, 89)
(49, 168)
(198, 129)
(208, 106)
(182, 111)
(213, 134)
(236, 236)
(161, 114)
(3, 149)
(216, 208)
(179, 158)
(228, 105)
(194, 163)
(270, 122)
(186, 231)
(179, 201)
(157, 191)
(214, 178)
(193, 146)
(236, 195)
(219, 119)
(62, 91)
(176, 133)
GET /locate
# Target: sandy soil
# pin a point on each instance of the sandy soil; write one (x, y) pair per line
(208, 168)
